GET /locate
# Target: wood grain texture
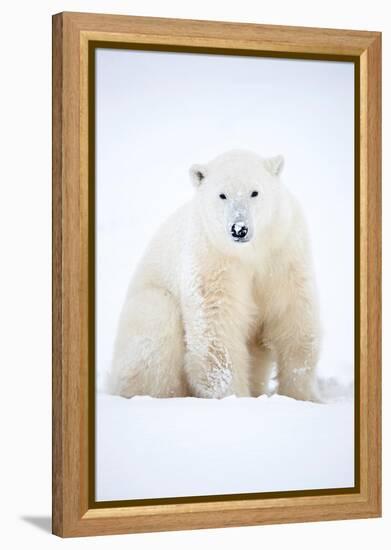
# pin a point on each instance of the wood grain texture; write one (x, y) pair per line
(223, 34)
(373, 264)
(68, 363)
(72, 515)
(57, 439)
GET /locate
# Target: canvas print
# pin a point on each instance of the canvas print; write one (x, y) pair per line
(224, 274)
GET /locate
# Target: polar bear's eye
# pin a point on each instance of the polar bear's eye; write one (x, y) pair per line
(222, 196)
(254, 194)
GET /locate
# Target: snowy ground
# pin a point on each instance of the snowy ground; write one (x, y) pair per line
(151, 448)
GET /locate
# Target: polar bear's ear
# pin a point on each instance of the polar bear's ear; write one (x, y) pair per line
(274, 165)
(197, 174)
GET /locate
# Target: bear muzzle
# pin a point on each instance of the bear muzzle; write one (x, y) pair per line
(239, 226)
(239, 232)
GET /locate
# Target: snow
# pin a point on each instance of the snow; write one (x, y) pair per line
(156, 448)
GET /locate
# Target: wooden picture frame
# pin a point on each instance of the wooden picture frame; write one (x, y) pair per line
(74, 36)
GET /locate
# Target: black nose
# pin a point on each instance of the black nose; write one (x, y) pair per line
(239, 230)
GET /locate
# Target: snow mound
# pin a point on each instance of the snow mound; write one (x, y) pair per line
(332, 389)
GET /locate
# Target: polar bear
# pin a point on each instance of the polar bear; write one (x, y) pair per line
(225, 293)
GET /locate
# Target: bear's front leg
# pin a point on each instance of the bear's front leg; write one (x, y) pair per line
(297, 373)
(209, 375)
(213, 375)
(216, 359)
(295, 339)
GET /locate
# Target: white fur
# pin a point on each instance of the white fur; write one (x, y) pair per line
(209, 317)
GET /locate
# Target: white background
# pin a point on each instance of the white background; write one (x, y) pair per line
(25, 218)
(158, 113)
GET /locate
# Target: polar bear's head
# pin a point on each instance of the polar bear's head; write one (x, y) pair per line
(236, 193)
